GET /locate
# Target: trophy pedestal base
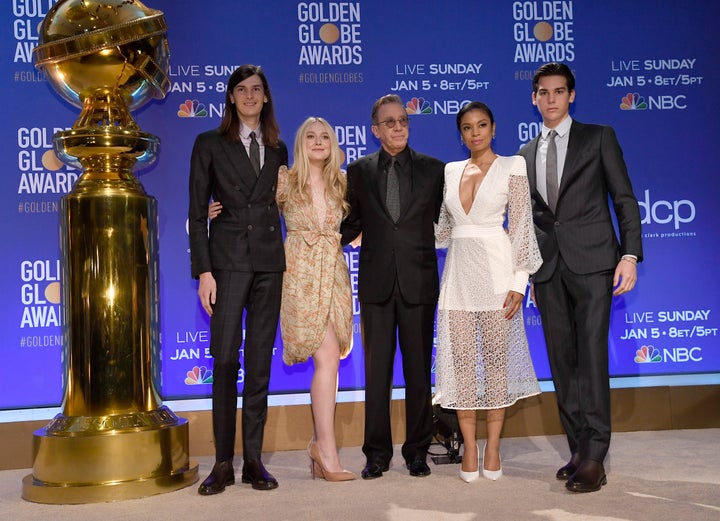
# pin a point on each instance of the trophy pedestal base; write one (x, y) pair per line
(94, 466)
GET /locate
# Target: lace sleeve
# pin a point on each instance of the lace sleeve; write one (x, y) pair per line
(443, 228)
(525, 252)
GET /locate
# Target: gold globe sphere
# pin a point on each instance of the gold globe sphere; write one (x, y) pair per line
(117, 46)
(107, 57)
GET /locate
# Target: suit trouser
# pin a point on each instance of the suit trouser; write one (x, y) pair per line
(382, 326)
(258, 295)
(575, 311)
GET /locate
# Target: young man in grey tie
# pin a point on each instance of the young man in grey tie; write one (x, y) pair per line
(573, 168)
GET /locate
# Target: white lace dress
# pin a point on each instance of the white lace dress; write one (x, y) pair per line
(482, 359)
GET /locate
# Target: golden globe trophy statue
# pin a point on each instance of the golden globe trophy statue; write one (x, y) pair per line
(114, 439)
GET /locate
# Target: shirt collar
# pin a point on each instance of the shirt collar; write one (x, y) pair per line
(403, 158)
(562, 129)
(245, 132)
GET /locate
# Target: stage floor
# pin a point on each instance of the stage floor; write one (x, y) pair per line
(652, 475)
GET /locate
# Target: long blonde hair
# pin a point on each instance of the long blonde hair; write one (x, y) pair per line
(298, 186)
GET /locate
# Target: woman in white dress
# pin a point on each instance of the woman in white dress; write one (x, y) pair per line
(483, 360)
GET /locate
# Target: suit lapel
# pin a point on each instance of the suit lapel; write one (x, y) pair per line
(417, 173)
(373, 178)
(268, 173)
(237, 155)
(573, 150)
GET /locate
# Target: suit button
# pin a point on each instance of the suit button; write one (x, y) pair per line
(249, 226)
(556, 223)
(237, 188)
(249, 206)
(272, 228)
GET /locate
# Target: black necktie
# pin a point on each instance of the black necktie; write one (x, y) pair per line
(254, 153)
(551, 171)
(392, 197)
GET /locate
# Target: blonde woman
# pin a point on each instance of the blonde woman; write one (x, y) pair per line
(316, 309)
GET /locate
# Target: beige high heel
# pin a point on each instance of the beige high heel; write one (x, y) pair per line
(317, 468)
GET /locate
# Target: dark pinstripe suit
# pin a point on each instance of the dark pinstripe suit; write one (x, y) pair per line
(573, 287)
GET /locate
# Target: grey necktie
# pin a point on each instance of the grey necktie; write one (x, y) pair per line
(254, 153)
(551, 171)
(392, 197)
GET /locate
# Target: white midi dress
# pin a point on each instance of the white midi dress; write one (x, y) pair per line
(482, 358)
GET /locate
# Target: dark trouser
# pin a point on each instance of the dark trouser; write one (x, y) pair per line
(382, 325)
(575, 311)
(258, 295)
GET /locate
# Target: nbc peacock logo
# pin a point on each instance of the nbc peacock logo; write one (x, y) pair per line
(418, 106)
(199, 375)
(647, 355)
(192, 109)
(633, 101)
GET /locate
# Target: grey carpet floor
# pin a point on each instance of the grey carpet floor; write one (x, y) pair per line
(652, 475)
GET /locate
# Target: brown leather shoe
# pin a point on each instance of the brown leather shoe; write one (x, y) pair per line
(568, 470)
(254, 472)
(221, 475)
(589, 477)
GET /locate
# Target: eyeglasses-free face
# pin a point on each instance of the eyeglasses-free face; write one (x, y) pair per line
(249, 98)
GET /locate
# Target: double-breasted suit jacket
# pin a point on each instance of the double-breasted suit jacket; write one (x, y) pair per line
(246, 236)
(244, 252)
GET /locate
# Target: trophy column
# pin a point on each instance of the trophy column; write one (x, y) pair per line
(114, 439)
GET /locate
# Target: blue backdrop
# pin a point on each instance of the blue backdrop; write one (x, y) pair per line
(650, 69)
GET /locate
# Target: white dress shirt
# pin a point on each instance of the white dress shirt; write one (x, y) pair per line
(561, 143)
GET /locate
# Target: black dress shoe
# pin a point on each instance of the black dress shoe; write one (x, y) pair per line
(222, 475)
(254, 472)
(568, 470)
(589, 477)
(418, 468)
(374, 470)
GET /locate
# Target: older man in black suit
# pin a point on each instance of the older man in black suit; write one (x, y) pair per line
(395, 196)
(573, 169)
(240, 266)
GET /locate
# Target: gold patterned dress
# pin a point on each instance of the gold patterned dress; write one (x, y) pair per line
(316, 284)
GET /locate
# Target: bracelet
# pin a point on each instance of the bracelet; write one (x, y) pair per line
(629, 259)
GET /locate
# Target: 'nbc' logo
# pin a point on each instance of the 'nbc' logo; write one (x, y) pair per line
(633, 101)
(418, 106)
(192, 109)
(199, 375)
(647, 355)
